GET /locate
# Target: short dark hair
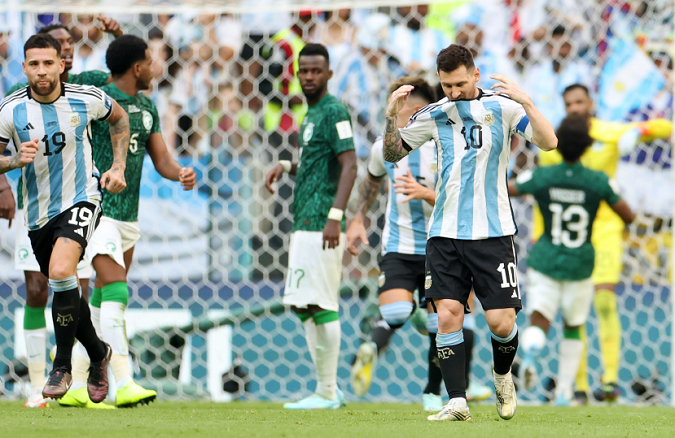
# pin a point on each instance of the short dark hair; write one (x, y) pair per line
(453, 57)
(573, 137)
(422, 88)
(42, 41)
(123, 53)
(558, 30)
(51, 27)
(313, 49)
(576, 87)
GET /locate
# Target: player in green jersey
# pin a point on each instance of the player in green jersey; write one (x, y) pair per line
(112, 245)
(326, 170)
(562, 260)
(35, 331)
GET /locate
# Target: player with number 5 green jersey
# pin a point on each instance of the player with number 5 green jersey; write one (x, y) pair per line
(143, 122)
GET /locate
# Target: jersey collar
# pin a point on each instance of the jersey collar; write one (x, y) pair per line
(63, 93)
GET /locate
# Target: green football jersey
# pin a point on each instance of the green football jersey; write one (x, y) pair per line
(569, 196)
(143, 121)
(326, 132)
(96, 78)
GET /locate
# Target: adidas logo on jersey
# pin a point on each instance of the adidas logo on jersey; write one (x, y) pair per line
(449, 122)
(29, 126)
(515, 294)
(80, 232)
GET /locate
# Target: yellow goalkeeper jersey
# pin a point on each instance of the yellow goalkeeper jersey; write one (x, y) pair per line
(603, 155)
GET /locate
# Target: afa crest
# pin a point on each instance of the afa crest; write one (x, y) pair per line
(427, 282)
(75, 119)
(488, 118)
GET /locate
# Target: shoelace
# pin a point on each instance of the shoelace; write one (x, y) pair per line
(56, 376)
(501, 387)
(95, 372)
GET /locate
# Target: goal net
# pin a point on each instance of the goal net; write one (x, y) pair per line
(204, 317)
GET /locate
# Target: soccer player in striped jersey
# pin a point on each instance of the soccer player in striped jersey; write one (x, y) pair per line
(112, 246)
(411, 198)
(562, 261)
(612, 140)
(471, 233)
(34, 324)
(48, 121)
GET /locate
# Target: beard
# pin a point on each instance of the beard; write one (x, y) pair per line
(44, 91)
(314, 93)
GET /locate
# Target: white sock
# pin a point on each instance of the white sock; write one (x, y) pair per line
(532, 341)
(80, 366)
(36, 346)
(327, 355)
(310, 337)
(114, 332)
(96, 319)
(568, 365)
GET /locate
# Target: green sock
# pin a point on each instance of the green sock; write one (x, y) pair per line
(118, 292)
(96, 297)
(34, 318)
(325, 317)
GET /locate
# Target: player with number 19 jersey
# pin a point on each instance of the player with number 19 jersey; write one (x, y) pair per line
(143, 122)
(63, 173)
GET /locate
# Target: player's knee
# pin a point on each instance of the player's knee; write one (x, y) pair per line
(503, 328)
(396, 314)
(59, 270)
(605, 304)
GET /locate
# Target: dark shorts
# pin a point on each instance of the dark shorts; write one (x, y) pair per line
(77, 223)
(489, 266)
(402, 271)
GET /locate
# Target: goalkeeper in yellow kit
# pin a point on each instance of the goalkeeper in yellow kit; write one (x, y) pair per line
(612, 140)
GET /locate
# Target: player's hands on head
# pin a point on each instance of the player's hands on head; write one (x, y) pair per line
(26, 154)
(408, 185)
(7, 205)
(331, 234)
(187, 178)
(398, 99)
(113, 180)
(110, 25)
(509, 87)
(355, 233)
(273, 176)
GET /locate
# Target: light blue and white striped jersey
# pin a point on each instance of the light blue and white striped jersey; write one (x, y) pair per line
(473, 138)
(63, 172)
(406, 224)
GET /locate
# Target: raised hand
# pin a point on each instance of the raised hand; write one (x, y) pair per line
(398, 99)
(510, 88)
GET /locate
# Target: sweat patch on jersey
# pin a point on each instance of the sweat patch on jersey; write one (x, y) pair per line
(344, 129)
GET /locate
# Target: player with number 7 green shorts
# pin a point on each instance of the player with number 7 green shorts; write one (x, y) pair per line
(562, 260)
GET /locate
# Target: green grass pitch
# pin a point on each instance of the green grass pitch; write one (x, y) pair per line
(252, 420)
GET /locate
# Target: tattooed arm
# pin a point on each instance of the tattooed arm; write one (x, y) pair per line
(24, 156)
(113, 180)
(370, 188)
(394, 148)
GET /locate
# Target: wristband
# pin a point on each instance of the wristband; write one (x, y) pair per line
(335, 214)
(286, 165)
